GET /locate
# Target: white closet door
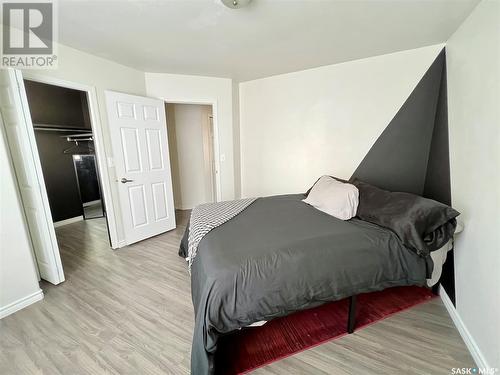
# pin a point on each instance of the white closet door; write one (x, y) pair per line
(140, 148)
(22, 145)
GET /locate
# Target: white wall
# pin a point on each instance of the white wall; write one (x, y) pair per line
(473, 62)
(83, 68)
(18, 278)
(186, 123)
(175, 88)
(296, 127)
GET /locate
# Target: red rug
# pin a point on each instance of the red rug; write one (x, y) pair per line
(250, 348)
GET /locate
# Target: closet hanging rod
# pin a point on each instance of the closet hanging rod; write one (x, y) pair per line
(79, 135)
(60, 129)
(77, 140)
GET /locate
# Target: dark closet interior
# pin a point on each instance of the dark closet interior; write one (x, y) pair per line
(65, 144)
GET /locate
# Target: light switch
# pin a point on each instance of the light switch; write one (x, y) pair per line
(222, 158)
(111, 162)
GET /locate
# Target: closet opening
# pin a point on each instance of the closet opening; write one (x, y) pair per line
(65, 143)
(191, 139)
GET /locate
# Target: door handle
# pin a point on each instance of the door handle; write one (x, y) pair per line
(124, 180)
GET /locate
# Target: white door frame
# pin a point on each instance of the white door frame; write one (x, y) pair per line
(215, 124)
(96, 125)
(20, 140)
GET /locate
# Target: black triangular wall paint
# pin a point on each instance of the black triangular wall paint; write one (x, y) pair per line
(412, 153)
(437, 181)
(398, 159)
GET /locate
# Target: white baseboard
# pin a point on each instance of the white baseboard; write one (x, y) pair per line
(20, 303)
(183, 208)
(469, 341)
(120, 244)
(71, 220)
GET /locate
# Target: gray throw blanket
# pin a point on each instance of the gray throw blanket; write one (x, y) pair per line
(206, 217)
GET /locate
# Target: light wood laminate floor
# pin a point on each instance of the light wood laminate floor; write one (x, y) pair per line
(129, 311)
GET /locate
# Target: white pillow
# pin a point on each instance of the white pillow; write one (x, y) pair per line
(335, 198)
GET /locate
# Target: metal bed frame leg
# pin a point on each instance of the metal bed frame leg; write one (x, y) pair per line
(435, 289)
(351, 321)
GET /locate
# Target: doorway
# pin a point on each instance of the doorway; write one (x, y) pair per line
(190, 131)
(64, 136)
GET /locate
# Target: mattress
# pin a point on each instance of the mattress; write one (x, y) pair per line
(281, 255)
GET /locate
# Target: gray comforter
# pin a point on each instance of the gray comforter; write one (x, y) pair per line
(281, 255)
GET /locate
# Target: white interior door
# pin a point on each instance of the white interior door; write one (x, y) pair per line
(24, 152)
(139, 140)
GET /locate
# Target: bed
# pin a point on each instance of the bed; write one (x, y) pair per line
(280, 255)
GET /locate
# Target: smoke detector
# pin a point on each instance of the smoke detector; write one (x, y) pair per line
(236, 4)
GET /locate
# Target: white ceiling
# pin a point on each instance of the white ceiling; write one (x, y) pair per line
(269, 37)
